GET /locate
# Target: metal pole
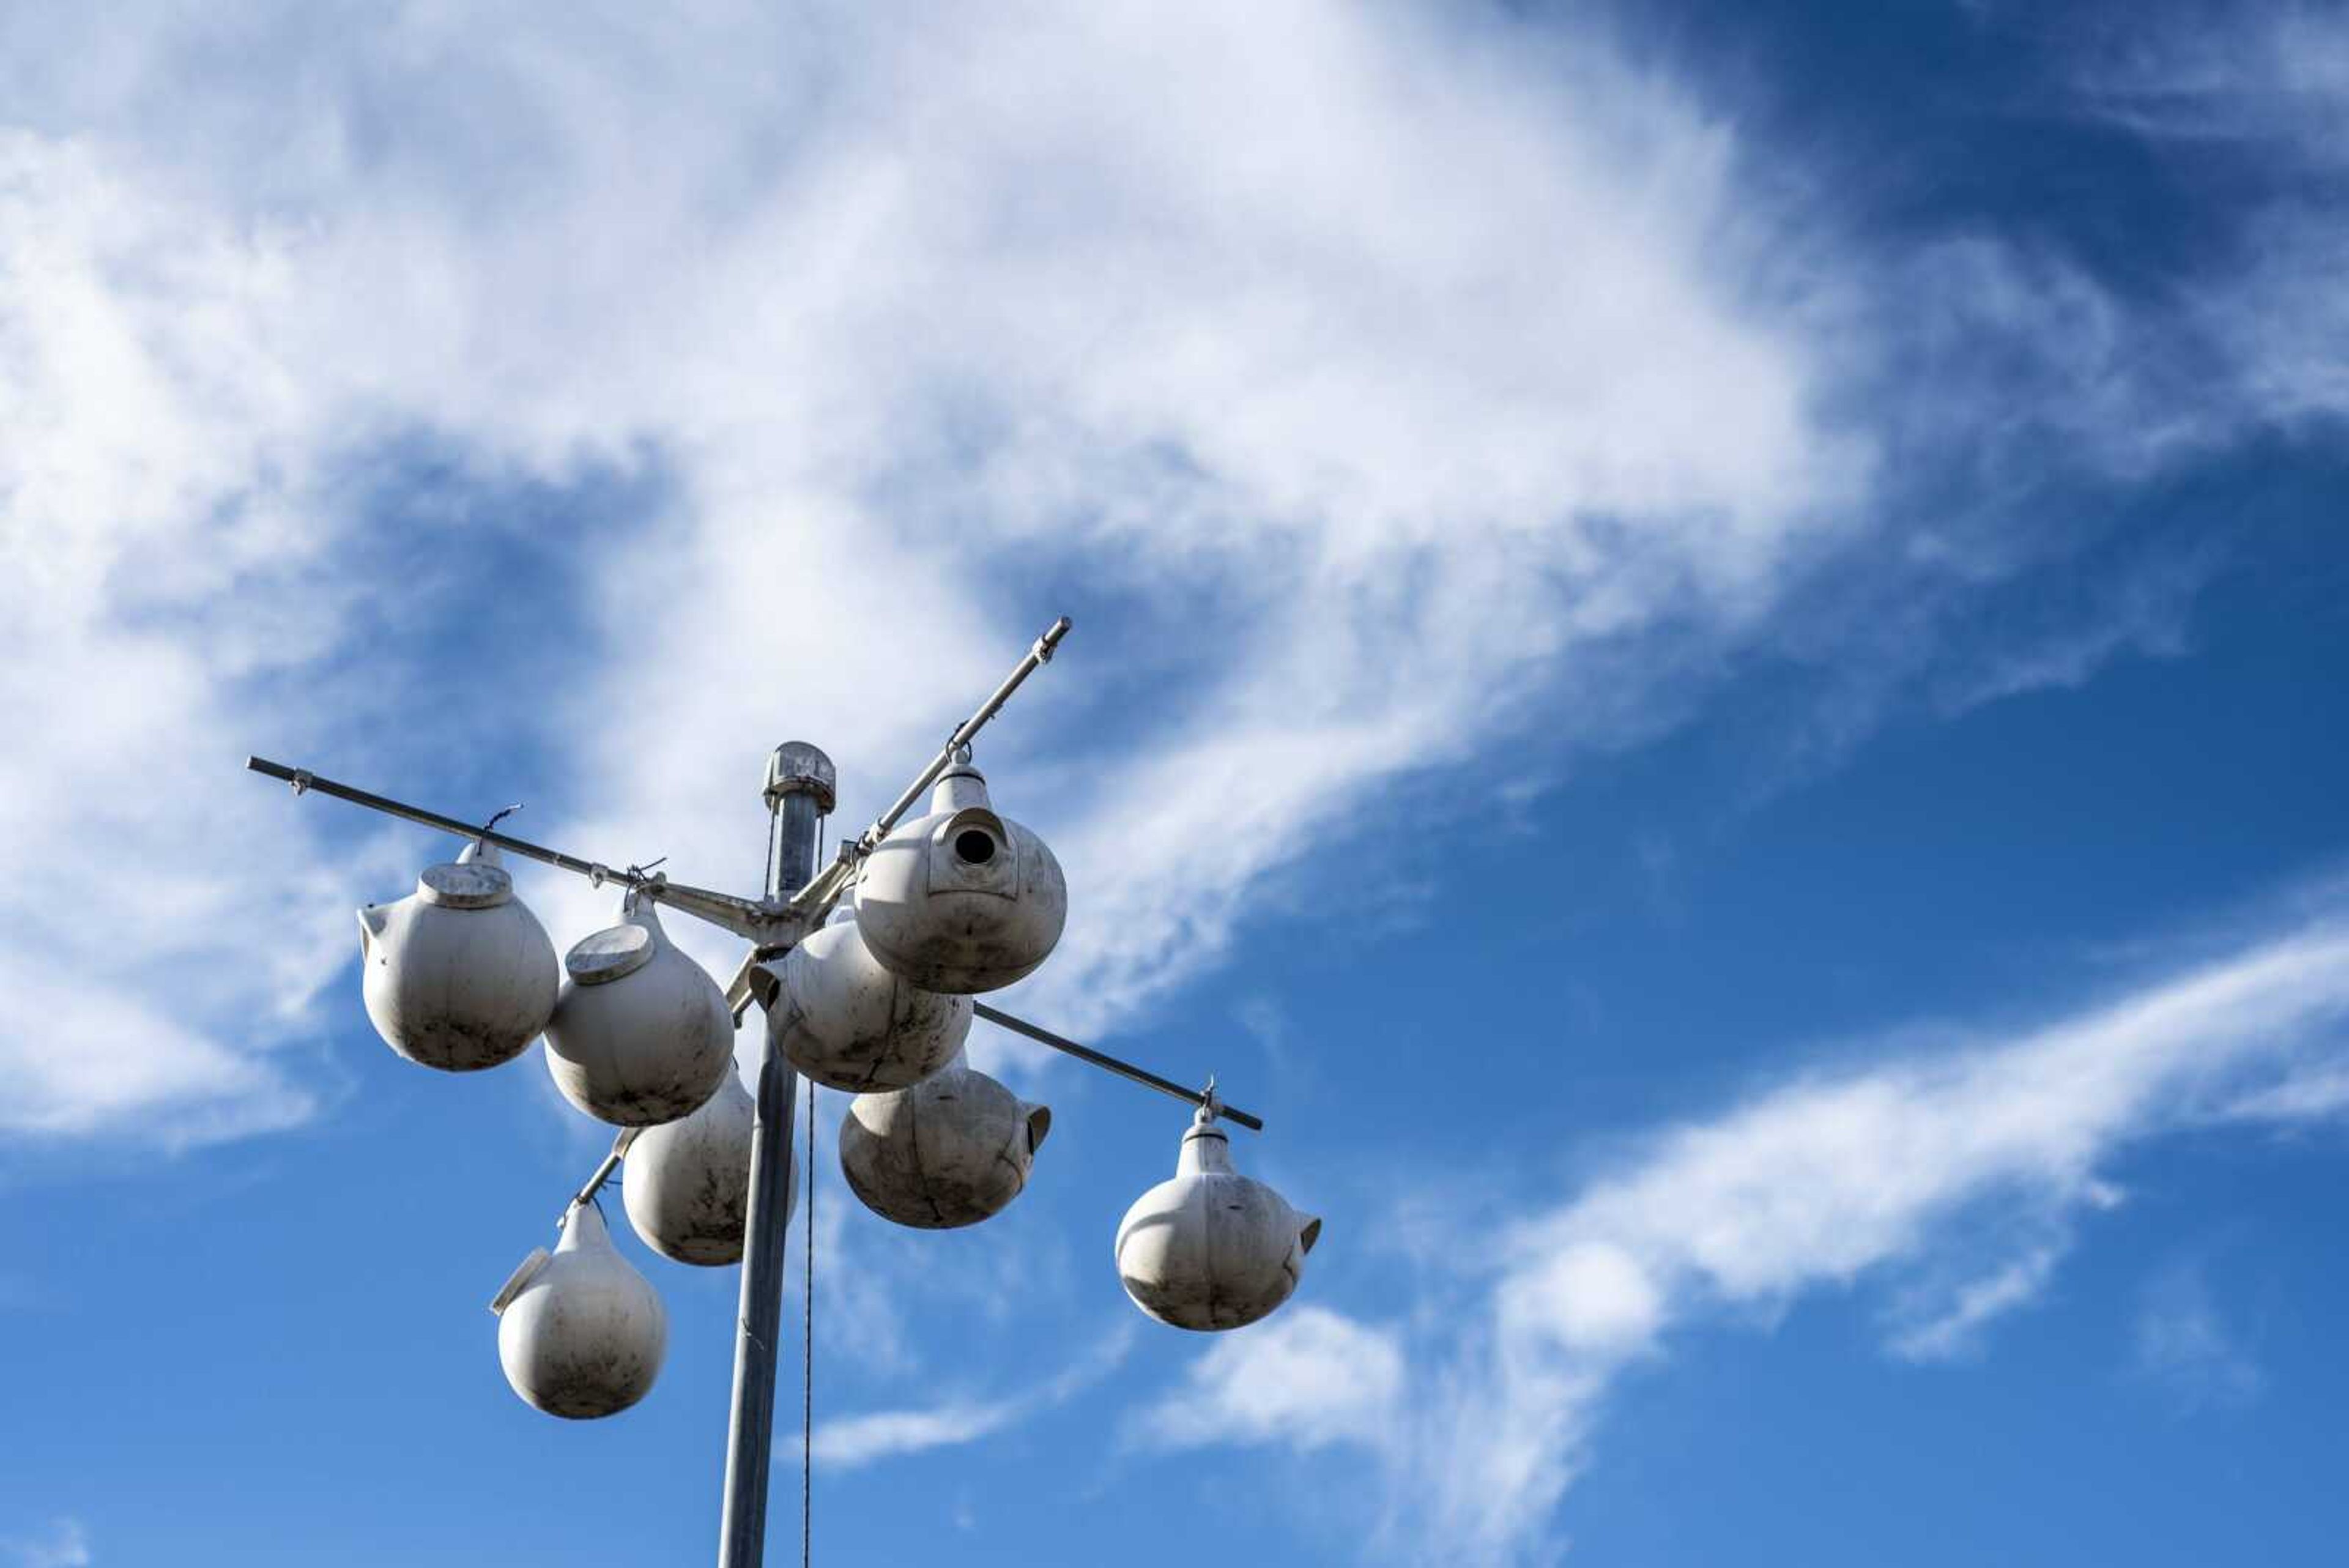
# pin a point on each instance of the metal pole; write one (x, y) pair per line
(800, 790)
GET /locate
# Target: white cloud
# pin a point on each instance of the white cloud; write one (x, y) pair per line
(1404, 379)
(1206, 315)
(1945, 1321)
(1371, 446)
(2281, 320)
(2311, 1095)
(90, 1062)
(2224, 73)
(159, 563)
(1308, 1378)
(2184, 1344)
(1983, 1154)
(847, 1442)
(2269, 82)
(852, 1440)
(65, 1545)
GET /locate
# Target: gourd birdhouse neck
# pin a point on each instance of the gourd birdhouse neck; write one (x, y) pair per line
(1206, 1151)
(959, 787)
(583, 1228)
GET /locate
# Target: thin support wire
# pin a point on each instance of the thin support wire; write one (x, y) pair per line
(807, 1357)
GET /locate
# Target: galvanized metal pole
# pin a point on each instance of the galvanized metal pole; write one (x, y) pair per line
(800, 790)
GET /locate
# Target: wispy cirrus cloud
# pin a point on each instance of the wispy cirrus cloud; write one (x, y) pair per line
(2221, 72)
(1309, 1378)
(1196, 324)
(2304, 1098)
(64, 1544)
(2258, 96)
(847, 1442)
(1952, 1175)
(2184, 1345)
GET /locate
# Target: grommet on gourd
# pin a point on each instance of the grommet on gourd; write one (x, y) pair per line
(846, 1021)
(581, 1333)
(952, 1150)
(686, 1183)
(640, 1035)
(458, 975)
(962, 900)
(1211, 1248)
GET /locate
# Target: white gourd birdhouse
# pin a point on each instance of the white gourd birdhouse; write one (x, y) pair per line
(851, 1024)
(961, 901)
(952, 1150)
(1212, 1248)
(581, 1333)
(640, 1035)
(686, 1183)
(458, 975)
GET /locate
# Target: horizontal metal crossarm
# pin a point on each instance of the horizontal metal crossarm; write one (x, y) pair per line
(1126, 1070)
(743, 916)
(835, 879)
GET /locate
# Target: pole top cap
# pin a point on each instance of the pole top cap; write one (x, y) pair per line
(798, 768)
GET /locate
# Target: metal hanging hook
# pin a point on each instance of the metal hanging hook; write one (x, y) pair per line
(642, 881)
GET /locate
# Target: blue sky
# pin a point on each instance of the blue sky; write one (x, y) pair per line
(1707, 662)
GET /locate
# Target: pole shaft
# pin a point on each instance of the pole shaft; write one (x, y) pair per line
(750, 1434)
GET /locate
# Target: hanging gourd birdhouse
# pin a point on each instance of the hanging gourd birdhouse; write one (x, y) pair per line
(686, 1183)
(1212, 1248)
(849, 1023)
(458, 975)
(640, 1035)
(961, 901)
(952, 1150)
(581, 1333)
